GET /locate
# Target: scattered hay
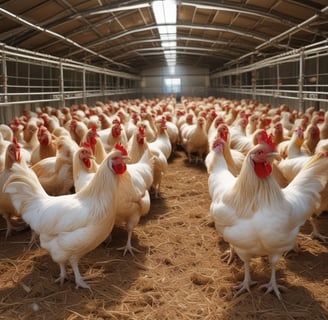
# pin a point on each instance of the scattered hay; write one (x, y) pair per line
(178, 274)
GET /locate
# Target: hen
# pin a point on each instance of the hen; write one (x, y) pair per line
(84, 166)
(162, 141)
(71, 225)
(47, 146)
(259, 218)
(194, 140)
(134, 201)
(7, 210)
(55, 173)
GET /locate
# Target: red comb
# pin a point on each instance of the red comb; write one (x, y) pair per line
(86, 144)
(267, 139)
(120, 147)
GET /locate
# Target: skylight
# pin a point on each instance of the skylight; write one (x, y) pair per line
(165, 12)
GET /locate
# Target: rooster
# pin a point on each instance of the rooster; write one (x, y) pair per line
(69, 226)
(134, 201)
(259, 218)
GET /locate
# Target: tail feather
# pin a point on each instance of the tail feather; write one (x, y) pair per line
(304, 190)
(23, 185)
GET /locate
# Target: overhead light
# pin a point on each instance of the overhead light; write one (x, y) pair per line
(123, 8)
(165, 12)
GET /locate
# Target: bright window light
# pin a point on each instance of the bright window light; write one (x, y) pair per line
(172, 85)
(165, 12)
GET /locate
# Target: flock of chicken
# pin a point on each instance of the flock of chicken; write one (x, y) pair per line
(71, 174)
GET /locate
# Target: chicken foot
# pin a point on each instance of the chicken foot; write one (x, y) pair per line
(62, 275)
(128, 246)
(272, 284)
(11, 227)
(315, 231)
(247, 282)
(79, 281)
(229, 255)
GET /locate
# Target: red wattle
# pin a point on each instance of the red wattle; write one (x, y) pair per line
(262, 169)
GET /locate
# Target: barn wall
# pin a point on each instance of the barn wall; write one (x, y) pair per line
(194, 81)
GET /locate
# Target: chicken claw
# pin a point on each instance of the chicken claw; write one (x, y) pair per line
(247, 282)
(80, 283)
(242, 287)
(228, 256)
(62, 275)
(272, 286)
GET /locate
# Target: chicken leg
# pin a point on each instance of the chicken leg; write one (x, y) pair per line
(128, 246)
(315, 232)
(80, 283)
(62, 275)
(247, 282)
(272, 284)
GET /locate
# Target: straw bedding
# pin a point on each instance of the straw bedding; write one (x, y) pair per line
(179, 273)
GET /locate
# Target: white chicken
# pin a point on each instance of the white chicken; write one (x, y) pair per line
(7, 210)
(46, 148)
(292, 148)
(71, 225)
(116, 135)
(194, 140)
(56, 173)
(136, 144)
(234, 158)
(84, 166)
(162, 141)
(134, 201)
(259, 218)
(92, 137)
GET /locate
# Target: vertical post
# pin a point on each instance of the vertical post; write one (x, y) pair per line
(4, 86)
(301, 107)
(254, 84)
(4, 78)
(317, 103)
(61, 84)
(84, 87)
(253, 80)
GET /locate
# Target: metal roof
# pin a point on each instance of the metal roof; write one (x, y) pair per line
(123, 35)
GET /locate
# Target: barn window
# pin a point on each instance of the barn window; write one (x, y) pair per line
(172, 85)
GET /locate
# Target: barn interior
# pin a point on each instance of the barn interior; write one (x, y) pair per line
(67, 52)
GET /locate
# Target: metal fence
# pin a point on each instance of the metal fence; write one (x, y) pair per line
(298, 78)
(30, 80)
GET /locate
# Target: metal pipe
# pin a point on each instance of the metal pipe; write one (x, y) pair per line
(301, 108)
(278, 37)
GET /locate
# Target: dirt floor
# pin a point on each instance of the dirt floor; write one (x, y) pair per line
(177, 275)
